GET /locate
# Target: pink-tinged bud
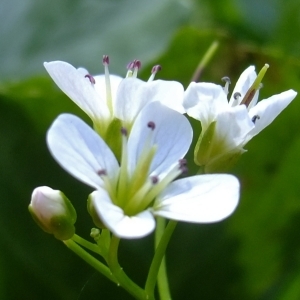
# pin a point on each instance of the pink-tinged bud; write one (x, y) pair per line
(53, 212)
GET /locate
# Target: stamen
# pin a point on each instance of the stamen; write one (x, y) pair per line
(151, 125)
(256, 117)
(182, 162)
(236, 97)
(105, 61)
(130, 68)
(154, 71)
(91, 78)
(256, 85)
(227, 81)
(136, 66)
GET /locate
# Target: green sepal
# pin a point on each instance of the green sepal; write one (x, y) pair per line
(113, 137)
(204, 145)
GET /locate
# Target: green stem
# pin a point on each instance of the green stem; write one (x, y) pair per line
(205, 60)
(155, 272)
(92, 261)
(120, 275)
(86, 244)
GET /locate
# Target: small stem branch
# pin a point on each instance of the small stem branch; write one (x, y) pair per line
(120, 275)
(154, 274)
(92, 261)
(205, 60)
(86, 244)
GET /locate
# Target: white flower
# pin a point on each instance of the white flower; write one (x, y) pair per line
(228, 126)
(129, 195)
(106, 97)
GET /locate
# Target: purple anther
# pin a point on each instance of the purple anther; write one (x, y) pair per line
(156, 69)
(91, 78)
(130, 65)
(137, 64)
(151, 125)
(182, 163)
(154, 179)
(105, 60)
(101, 172)
(124, 131)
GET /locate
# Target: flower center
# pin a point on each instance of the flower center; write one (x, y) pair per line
(136, 189)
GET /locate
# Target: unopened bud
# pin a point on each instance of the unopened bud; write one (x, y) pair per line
(53, 212)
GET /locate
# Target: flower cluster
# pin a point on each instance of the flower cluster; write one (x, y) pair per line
(135, 152)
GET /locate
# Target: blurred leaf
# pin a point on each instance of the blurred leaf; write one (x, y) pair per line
(80, 32)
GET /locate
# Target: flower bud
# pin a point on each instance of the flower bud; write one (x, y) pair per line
(53, 212)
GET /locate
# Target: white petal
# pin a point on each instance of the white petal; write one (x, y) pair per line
(203, 101)
(172, 135)
(100, 86)
(232, 127)
(267, 110)
(80, 150)
(243, 84)
(113, 217)
(199, 199)
(78, 88)
(133, 94)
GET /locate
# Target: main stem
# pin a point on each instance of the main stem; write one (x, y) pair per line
(155, 272)
(122, 279)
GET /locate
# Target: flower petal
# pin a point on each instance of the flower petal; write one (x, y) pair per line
(203, 101)
(133, 94)
(113, 217)
(80, 150)
(78, 88)
(199, 199)
(243, 84)
(172, 135)
(267, 110)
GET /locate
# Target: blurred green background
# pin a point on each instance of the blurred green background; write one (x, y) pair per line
(255, 254)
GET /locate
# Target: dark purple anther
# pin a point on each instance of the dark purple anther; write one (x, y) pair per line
(105, 60)
(101, 172)
(154, 179)
(151, 125)
(182, 163)
(256, 117)
(91, 78)
(124, 131)
(137, 64)
(237, 95)
(156, 69)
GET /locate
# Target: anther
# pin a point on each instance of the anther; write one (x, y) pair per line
(226, 79)
(182, 162)
(91, 78)
(154, 179)
(151, 125)
(256, 117)
(237, 95)
(227, 83)
(154, 71)
(105, 60)
(183, 169)
(124, 131)
(137, 64)
(101, 172)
